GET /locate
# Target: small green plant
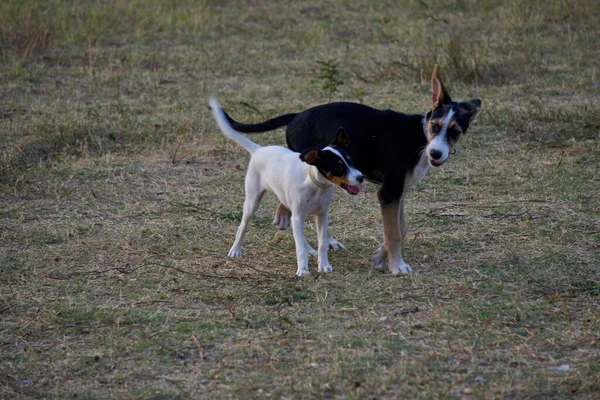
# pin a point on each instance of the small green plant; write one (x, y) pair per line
(330, 76)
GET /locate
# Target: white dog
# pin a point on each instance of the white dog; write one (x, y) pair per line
(303, 183)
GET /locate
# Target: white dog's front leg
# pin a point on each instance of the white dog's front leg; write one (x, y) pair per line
(301, 254)
(321, 223)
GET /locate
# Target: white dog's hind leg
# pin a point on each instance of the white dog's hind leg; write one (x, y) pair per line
(251, 203)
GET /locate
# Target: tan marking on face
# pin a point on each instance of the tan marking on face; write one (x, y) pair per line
(430, 133)
(451, 125)
(337, 180)
(456, 127)
(452, 141)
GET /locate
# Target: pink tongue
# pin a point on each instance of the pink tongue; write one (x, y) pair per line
(352, 189)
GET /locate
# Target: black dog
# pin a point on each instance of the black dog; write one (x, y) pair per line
(388, 147)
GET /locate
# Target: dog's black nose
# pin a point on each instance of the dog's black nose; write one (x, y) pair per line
(435, 154)
(360, 178)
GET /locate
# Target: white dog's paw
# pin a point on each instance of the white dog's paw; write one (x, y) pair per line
(302, 272)
(379, 259)
(325, 268)
(234, 252)
(311, 251)
(335, 245)
(401, 269)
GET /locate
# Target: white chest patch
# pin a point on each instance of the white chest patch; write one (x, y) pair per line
(417, 175)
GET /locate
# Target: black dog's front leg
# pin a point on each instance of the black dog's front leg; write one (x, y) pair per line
(283, 217)
(391, 200)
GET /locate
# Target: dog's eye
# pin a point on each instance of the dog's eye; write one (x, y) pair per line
(435, 128)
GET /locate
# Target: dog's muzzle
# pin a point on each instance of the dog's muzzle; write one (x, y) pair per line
(350, 189)
(435, 157)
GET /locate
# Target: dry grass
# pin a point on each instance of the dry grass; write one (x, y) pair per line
(114, 280)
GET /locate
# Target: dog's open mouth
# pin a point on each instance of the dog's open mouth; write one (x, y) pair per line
(436, 163)
(350, 189)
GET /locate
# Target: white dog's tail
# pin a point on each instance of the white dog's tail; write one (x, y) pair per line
(227, 129)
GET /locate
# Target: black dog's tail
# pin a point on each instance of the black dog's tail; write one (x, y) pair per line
(268, 125)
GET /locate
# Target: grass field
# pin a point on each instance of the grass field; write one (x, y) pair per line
(119, 200)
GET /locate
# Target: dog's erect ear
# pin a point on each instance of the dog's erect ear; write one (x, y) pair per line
(439, 93)
(341, 139)
(472, 107)
(310, 156)
(474, 104)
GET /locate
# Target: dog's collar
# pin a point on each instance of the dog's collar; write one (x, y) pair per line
(314, 179)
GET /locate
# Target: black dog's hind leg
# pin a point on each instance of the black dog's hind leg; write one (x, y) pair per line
(282, 219)
(283, 216)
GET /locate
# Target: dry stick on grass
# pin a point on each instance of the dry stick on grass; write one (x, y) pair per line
(269, 274)
(18, 208)
(183, 131)
(506, 215)
(486, 326)
(235, 277)
(96, 274)
(91, 189)
(562, 156)
(200, 348)
(91, 58)
(197, 207)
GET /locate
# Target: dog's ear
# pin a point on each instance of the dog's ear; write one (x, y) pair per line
(311, 156)
(474, 104)
(439, 93)
(341, 139)
(472, 107)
